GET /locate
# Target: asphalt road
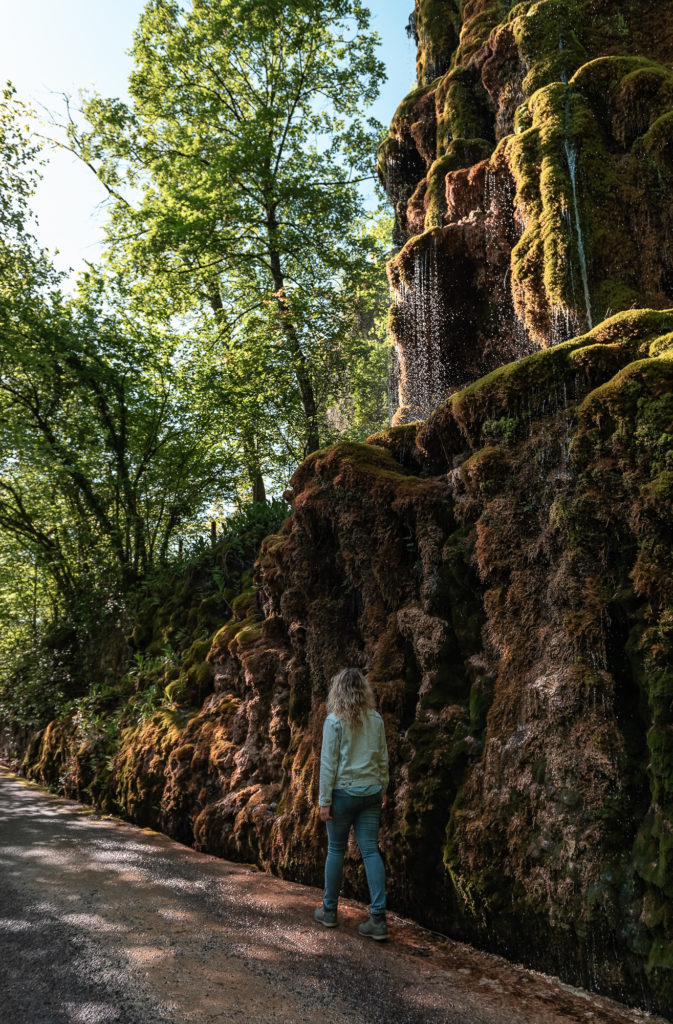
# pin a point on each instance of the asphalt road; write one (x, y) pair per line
(101, 921)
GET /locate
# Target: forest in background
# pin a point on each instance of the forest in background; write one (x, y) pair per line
(152, 416)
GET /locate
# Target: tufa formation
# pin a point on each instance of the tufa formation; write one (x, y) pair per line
(529, 175)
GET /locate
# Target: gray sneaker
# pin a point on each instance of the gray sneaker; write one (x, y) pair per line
(325, 917)
(374, 928)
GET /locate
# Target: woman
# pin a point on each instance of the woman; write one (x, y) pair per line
(353, 783)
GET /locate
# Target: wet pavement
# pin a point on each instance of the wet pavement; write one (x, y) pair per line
(101, 921)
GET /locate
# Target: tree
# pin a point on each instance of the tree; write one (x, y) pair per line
(106, 449)
(107, 442)
(109, 447)
(18, 163)
(234, 175)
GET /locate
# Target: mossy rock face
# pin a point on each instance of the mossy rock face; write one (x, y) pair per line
(111, 744)
(557, 212)
(503, 573)
(51, 758)
(139, 767)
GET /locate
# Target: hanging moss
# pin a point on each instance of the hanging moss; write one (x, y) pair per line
(437, 26)
(465, 109)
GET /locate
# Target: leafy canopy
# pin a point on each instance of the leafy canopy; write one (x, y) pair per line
(234, 177)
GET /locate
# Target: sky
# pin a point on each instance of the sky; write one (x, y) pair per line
(51, 47)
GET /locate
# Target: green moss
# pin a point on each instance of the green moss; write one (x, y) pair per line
(618, 397)
(406, 107)
(139, 766)
(52, 755)
(578, 102)
(635, 90)
(248, 635)
(546, 262)
(246, 603)
(176, 691)
(547, 34)
(477, 29)
(226, 634)
(349, 464)
(437, 25)
(199, 683)
(211, 611)
(461, 153)
(504, 429)
(465, 110)
(662, 345)
(659, 489)
(515, 389)
(400, 442)
(561, 125)
(485, 471)
(197, 653)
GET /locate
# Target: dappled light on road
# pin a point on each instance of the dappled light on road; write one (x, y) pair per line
(117, 924)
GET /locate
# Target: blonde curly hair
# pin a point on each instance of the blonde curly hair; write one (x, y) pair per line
(350, 696)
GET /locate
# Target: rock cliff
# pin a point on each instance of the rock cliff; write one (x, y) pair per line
(529, 175)
(503, 570)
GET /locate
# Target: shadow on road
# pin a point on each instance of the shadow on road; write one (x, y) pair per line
(101, 921)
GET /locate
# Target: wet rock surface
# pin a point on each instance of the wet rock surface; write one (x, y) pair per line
(101, 921)
(504, 574)
(530, 174)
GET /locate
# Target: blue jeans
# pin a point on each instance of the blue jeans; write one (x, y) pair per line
(364, 814)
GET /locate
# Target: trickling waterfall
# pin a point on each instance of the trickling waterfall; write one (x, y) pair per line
(500, 217)
(564, 325)
(421, 366)
(571, 158)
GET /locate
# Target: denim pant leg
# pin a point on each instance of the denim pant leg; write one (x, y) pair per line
(343, 808)
(366, 828)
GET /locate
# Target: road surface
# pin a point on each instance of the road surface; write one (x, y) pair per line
(102, 922)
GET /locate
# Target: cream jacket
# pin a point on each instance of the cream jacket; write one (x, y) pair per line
(352, 758)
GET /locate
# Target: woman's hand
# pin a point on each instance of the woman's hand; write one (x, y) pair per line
(325, 813)
(384, 801)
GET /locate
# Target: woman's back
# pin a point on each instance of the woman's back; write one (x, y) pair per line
(355, 756)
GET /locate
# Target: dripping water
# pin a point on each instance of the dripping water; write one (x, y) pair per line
(571, 157)
(564, 325)
(422, 371)
(498, 207)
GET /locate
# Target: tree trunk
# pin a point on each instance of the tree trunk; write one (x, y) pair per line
(258, 488)
(306, 392)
